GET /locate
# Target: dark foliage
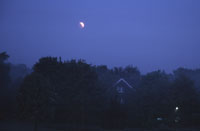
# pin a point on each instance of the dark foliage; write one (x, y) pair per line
(4, 85)
(80, 94)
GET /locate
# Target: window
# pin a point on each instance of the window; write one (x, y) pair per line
(120, 90)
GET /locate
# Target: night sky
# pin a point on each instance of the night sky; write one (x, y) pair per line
(149, 34)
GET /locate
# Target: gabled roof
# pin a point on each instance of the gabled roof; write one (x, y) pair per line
(122, 80)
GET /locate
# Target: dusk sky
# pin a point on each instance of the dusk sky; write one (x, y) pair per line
(149, 34)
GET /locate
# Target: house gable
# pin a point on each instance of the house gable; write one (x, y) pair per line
(123, 90)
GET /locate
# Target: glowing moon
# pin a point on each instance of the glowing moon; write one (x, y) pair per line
(82, 25)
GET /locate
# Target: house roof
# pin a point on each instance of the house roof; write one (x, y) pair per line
(122, 80)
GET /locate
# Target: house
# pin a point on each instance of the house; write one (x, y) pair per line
(123, 90)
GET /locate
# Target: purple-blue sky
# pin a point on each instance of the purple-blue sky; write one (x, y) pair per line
(149, 34)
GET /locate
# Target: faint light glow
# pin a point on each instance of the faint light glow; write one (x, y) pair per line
(177, 108)
(159, 119)
(82, 25)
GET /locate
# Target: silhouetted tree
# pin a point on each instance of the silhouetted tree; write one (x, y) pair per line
(75, 83)
(81, 93)
(4, 84)
(4, 70)
(35, 98)
(153, 98)
(185, 96)
(191, 74)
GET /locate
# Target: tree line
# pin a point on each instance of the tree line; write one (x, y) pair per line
(80, 94)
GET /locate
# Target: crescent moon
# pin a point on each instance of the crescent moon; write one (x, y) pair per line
(82, 25)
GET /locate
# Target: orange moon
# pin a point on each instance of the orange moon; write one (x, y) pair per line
(82, 25)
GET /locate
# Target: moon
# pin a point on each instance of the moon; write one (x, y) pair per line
(82, 25)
